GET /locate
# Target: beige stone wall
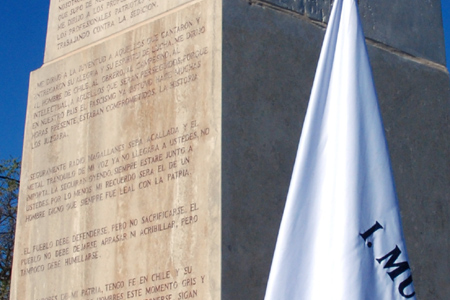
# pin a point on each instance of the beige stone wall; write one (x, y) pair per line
(78, 23)
(121, 179)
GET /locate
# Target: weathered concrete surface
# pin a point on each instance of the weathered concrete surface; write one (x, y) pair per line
(120, 194)
(412, 26)
(249, 106)
(415, 101)
(73, 24)
(270, 58)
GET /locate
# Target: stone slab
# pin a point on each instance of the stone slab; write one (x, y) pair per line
(263, 109)
(251, 93)
(411, 26)
(120, 193)
(414, 99)
(76, 23)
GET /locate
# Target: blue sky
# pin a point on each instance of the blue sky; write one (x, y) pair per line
(23, 29)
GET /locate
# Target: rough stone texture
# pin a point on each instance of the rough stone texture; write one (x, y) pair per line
(120, 194)
(412, 26)
(74, 24)
(266, 85)
(252, 93)
(270, 58)
(415, 103)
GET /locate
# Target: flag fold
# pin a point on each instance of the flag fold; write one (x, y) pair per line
(341, 235)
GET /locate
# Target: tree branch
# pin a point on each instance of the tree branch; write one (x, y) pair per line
(11, 179)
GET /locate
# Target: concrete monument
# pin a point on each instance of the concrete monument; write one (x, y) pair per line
(161, 135)
(123, 154)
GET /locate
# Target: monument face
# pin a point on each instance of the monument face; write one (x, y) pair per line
(411, 26)
(76, 23)
(161, 136)
(121, 193)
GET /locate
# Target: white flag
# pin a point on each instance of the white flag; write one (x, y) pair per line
(341, 235)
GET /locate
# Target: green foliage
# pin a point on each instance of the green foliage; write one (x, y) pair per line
(9, 189)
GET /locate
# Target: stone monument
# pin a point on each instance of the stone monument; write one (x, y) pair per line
(161, 135)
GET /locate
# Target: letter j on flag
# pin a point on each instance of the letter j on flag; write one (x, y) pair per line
(341, 236)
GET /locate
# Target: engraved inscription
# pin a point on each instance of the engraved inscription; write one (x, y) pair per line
(76, 23)
(122, 148)
(140, 164)
(113, 81)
